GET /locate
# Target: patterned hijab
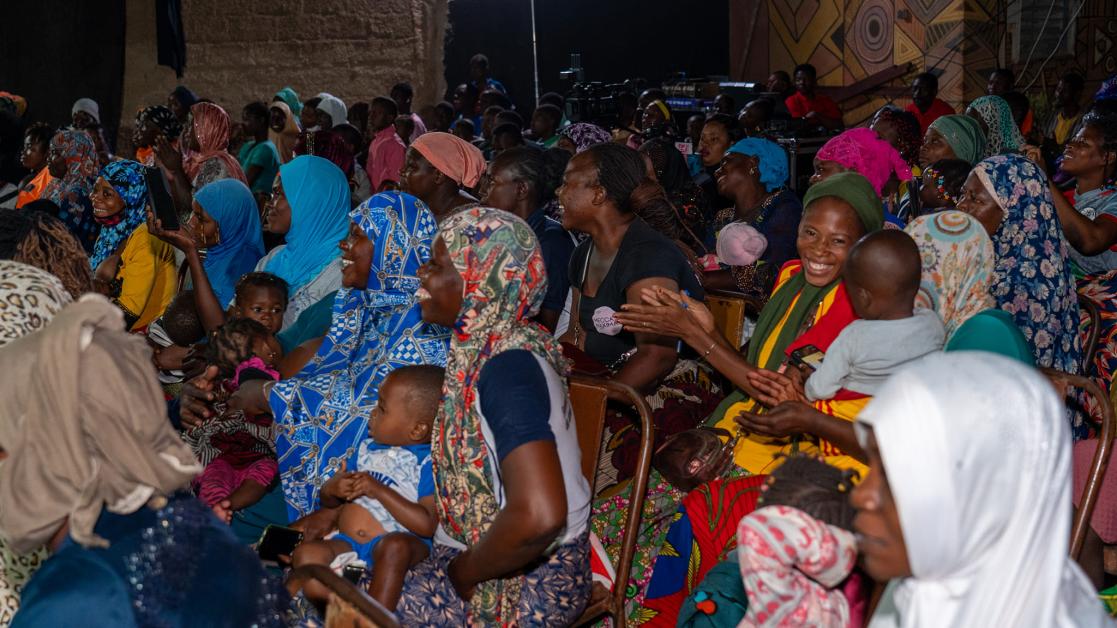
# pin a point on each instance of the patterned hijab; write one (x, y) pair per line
(211, 128)
(502, 269)
(862, 151)
(231, 204)
(584, 135)
(319, 197)
(1031, 279)
(162, 118)
(322, 413)
(127, 178)
(71, 192)
(1003, 136)
(957, 266)
(909, 137)
(29, 298)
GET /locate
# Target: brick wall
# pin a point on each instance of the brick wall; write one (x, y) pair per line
(243, 50)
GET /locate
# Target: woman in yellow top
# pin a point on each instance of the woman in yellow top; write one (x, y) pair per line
(130, 266)
(809, 307)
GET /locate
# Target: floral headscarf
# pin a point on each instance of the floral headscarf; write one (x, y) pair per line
(498, 258)
(71, 192)
(584, 135)
(957, 259)
(1031, 279)
(322, 413)
(1003, 136)
(863, 151)
(127, 178)
(211, 128)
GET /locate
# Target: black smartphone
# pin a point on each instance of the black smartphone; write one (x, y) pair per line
(353, 573)
(277, 541)
(808, 357)
(159, 196)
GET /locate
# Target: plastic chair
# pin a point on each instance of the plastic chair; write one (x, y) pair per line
(588, 399)
(349, 607)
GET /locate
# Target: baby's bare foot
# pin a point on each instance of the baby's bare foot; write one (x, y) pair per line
(223, 510)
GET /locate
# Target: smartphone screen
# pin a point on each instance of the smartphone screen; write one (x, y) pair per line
(277, 541)
(159, 197)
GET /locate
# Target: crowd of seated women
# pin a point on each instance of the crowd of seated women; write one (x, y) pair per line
(320, 341)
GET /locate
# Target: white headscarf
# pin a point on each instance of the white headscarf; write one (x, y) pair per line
(977, 451)
(88, 105)
(335, 107)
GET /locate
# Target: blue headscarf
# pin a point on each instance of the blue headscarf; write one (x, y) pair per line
(291, 97)
(772, 158)
(322, 413)
(1031, 279)
(231, 204)
(127, 178)
(318, 194)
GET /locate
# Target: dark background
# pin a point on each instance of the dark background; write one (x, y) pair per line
(618, 40)
(82, 56)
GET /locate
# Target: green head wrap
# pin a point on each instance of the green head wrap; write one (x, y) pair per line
(854, 189)
(964, 135)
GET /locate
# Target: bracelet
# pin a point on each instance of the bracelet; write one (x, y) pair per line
(709, 349)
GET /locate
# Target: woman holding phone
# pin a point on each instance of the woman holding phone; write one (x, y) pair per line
(130, 266)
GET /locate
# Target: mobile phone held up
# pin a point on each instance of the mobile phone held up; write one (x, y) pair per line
(277, 541)
(159, 197)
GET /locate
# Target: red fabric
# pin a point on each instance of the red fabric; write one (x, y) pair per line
(937, 110)
(799, 106)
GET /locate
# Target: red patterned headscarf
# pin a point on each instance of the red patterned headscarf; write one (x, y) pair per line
(211, 127)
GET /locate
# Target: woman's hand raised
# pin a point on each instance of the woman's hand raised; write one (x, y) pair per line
(178, 238)
(197, 398)
(167, 155)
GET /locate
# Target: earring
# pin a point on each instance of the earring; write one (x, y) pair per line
(752, 170)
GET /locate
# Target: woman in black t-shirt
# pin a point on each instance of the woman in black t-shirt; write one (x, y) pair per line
(622, 257)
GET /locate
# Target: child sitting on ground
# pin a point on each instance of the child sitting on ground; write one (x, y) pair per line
(237, 449)
(770, 582)
(882, 275)
(392, 490)
(942, 185)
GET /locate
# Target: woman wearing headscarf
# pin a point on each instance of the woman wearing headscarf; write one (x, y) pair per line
(29, 299)
(72, 161)
(34, 236)
(964, 508)
(692, 211)
(113, 506)
(754, 174)
(953, 137)
(322, 413)
(151, 123)
(958, 259)
(511, 546)
(863, 151)
(1009, 196)
(310, 206)
(331, 111)
(290, 97)
(581, 135)
(130, 266)
(441, 169)
(226, 224)
(330, 146)
(203, 158)
(283, 129)
(85, 113)
(809, 306)
(901, 129)
(995, 116)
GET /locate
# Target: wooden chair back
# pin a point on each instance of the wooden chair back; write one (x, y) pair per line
(730, 310)
(349, 607)
(1090, 343)
(1101, 456)
(588, 400)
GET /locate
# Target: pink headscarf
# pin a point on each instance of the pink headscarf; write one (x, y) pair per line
(863, 151)
(211, 127)
(454, 157)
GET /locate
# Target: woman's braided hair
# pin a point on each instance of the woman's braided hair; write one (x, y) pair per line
(34, 236)
(809, 484)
